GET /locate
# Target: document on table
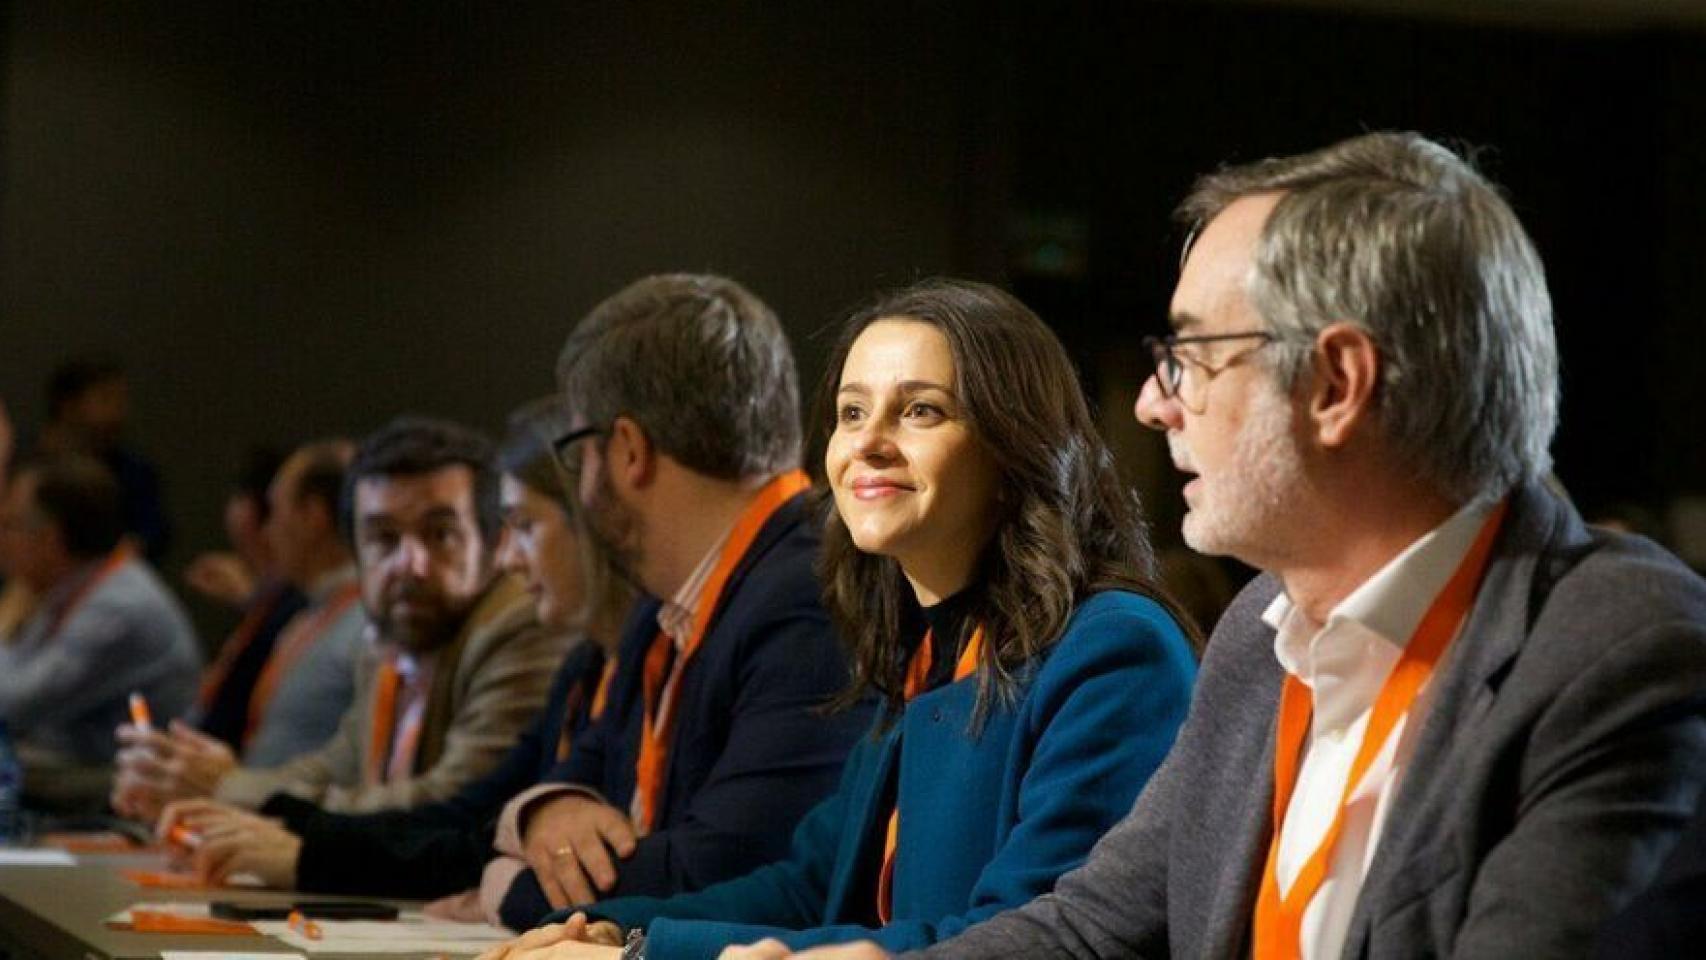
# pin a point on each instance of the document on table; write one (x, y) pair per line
(409, 933)
(226, 955)
(35, 857)
(194, 911)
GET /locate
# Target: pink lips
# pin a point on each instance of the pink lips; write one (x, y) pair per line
(876, 488)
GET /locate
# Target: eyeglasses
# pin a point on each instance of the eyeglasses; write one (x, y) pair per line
(563, 447)
(1170, 363)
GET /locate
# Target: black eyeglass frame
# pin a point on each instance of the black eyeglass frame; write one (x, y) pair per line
(1170, 366)
(562, 445)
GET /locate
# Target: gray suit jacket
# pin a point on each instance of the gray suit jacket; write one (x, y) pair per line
(1563, 753)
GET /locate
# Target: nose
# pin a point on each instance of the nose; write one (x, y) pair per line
(1156, 410)
(413, 556)
(875, 442)
(509, 552)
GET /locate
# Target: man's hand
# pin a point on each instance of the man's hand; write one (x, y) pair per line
(774, 950)
(568, 842)
(221, 575)
(231, 841)
(601, 939)
(155, 768)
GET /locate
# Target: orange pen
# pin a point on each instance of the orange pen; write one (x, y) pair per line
(183, 836)
(305, 926)
(140, 718)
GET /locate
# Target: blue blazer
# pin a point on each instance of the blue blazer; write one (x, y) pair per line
(988, 820)
(753, 748)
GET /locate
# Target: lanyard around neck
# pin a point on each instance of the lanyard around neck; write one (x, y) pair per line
(917, 676)
(1279, 919)
(662, 692)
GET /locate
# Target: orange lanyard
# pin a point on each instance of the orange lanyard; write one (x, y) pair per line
(917, 674)
(298, 637)
(600, 697)
(109, 566)
(381, 757)
(655, 738)
(1279, 920)
(214, 676)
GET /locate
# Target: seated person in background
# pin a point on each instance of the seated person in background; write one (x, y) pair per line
(686, 458)
(457, 663)
(247, 578)
(306, 684)
(104, 627)
(441, 848)
(992, 575)
(88, 404)
(16, 601)
(1449, 719)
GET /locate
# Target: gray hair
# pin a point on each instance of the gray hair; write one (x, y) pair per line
(700, 363)
(1400, 236)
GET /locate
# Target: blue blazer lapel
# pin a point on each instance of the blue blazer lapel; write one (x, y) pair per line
(864, 810)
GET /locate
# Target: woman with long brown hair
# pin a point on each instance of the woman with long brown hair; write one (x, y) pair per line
(991, 576)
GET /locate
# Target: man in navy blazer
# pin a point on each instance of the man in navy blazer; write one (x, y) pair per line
(685, 452)
(1363, 383)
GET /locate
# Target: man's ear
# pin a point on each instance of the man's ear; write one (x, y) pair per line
(1346, 364)
(630, 456)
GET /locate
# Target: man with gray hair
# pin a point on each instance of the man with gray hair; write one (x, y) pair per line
(1448, 719)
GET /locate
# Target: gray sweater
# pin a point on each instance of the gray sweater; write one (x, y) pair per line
(65, 690)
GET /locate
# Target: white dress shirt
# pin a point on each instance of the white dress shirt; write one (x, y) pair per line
(1345, 663)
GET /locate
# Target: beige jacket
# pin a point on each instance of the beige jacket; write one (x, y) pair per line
(502, 660)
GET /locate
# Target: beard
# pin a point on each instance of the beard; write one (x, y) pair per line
(1239, 512)
(615, 530)
(431, 622)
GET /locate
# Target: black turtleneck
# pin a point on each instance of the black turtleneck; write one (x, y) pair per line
(949, 632)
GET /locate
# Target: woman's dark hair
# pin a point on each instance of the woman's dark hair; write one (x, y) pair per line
(1067, 526)
(527, 449)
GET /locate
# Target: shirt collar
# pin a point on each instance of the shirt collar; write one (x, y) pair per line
(677, 614)
(1345, 661)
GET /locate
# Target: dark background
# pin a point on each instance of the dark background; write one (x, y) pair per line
(297, 219)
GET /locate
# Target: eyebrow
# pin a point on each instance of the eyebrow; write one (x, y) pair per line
(389, 520)
(906, 386)
(1182, 321)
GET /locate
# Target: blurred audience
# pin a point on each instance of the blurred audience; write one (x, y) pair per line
(105, 626)
(88, 408)
(294, 695)
(441, 848)
(456, 663)
(247, 577)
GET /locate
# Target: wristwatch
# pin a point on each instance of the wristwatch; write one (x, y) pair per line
(634, 948)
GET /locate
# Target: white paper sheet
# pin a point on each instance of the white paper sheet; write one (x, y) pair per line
(30, 857)
(226, 955)
(177, 908)
(409, 933)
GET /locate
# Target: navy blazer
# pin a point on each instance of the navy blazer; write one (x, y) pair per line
(989, 818)
(440, 848)
(754, 749)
